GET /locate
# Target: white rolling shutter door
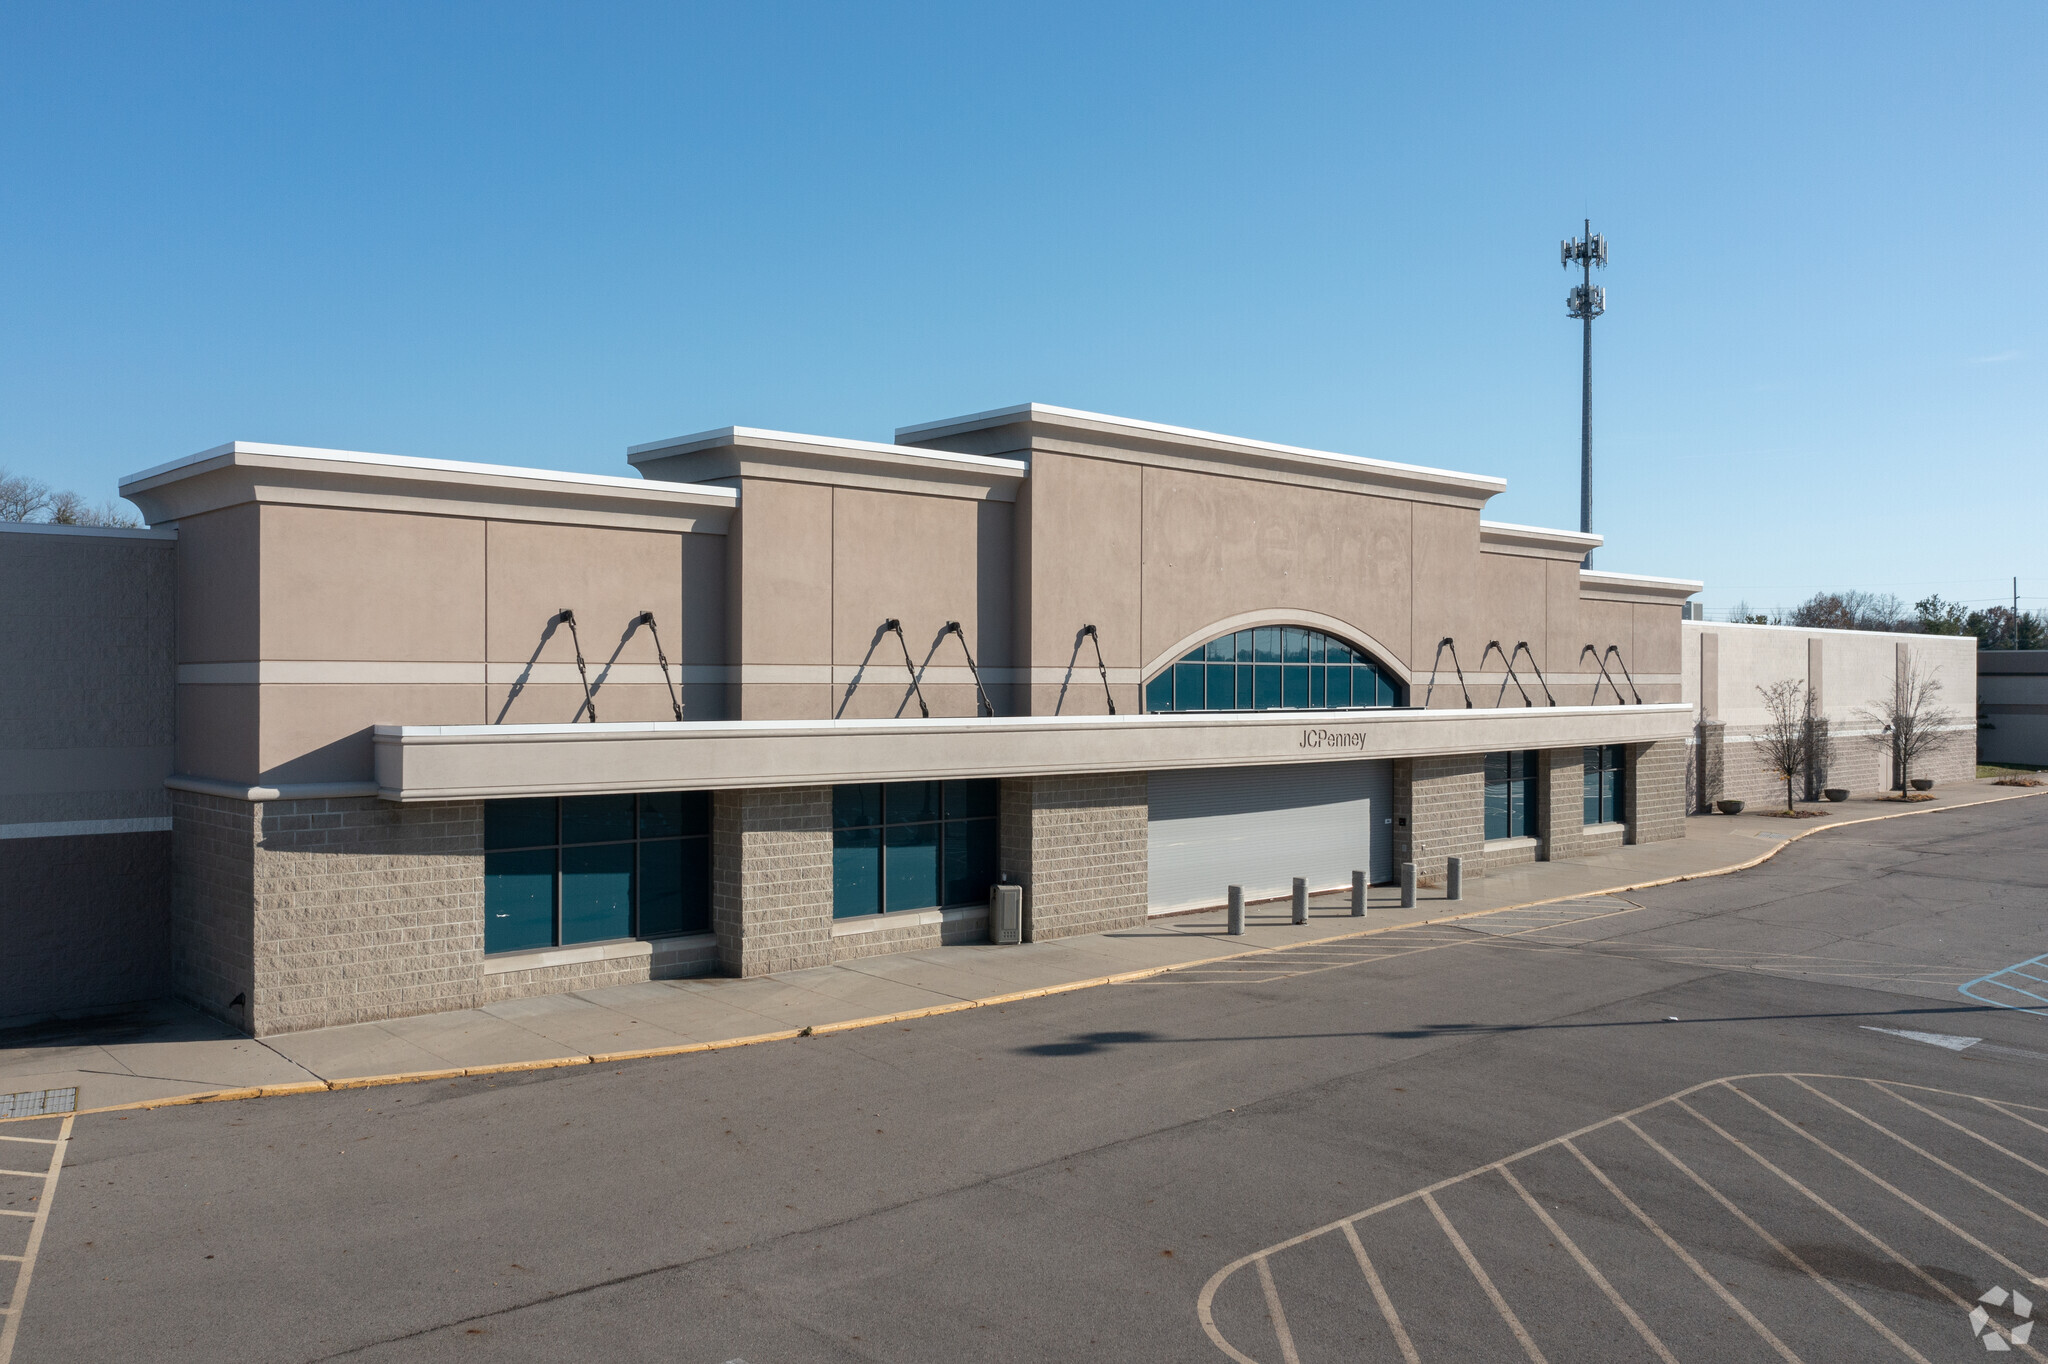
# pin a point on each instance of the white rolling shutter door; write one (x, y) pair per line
(1259, 827)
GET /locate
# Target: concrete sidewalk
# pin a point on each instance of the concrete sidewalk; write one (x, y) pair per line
(167, 1052)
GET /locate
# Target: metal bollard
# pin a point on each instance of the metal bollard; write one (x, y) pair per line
(1454, 878)
(1236, 929)
(1300, 901)
(1407, 885)
(1358, 895)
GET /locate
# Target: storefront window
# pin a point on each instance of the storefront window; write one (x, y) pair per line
(560, 870)
(1510, 795)
(912, 845)
(1273, 667)
(1606, 783)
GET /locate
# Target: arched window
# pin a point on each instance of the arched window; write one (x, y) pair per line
(1273, 667)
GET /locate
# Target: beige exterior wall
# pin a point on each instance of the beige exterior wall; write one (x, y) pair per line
(1850, 671)
(323, 595)
(304, 626)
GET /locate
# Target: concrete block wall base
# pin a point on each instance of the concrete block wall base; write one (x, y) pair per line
(1440, 812)
(771, 879)
(1656, 791)
(1561, 803)
(1078, 847)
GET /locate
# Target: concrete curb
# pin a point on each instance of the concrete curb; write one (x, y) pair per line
(960, 1006)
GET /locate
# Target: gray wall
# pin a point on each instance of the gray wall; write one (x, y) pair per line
(2012, 700)
(87, 725)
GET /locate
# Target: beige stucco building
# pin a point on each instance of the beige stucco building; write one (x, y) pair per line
(446, 733)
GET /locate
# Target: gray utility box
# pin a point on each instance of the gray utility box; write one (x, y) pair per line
(1006, 913)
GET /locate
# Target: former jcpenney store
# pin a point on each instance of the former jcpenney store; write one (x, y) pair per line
(385, 735)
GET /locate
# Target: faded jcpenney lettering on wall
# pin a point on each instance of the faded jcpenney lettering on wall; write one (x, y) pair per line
(1333, 738)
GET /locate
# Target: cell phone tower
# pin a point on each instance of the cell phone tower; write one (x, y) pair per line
(1586, 301)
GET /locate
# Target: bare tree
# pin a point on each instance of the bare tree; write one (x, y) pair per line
(1781, 745)
(1913, 724)
(69, 509)
(21, 497)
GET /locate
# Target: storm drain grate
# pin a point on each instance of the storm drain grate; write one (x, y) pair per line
(34, 1103)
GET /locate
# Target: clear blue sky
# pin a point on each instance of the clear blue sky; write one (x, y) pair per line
(537, 234)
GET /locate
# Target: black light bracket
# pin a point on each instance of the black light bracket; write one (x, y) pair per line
(1493, 646)
(568, 618)
(1089, 632)
(1622, 664)
(893, 624)
(1600, 661)
(953, 628)
(1522, 647)
(675, 701)
(1447, 643)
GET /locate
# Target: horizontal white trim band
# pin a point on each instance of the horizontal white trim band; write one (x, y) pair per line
(906, 918)
(73, 828)
(543, 957)
(304, 672)
(228, 790)
(108, 532)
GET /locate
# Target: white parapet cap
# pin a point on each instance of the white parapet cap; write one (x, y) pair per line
(169, 491)
(108, 532)
(1098, 426)
(1674, 589)
(734, 452)
(1539, 540)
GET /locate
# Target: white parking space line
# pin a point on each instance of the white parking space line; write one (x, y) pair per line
(1274, 1310)
(10, 1315)
(1890, 1188)
(1971, 1133)
(1379, 1295)
(1768, 1336)
(1743, 1173)
(1926, 1154)
(1851, 1223)
(1729, 1204)
(1500, 1304)
(1592, 1271)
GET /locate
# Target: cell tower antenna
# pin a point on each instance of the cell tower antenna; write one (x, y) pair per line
(1586, 301)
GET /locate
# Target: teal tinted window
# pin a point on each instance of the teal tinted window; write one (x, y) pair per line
(910, 866)
(856, 872)
(913, 845)
(574, 869)
(675, 814)
(1511, 795)
(597, 819)
(1272, 667)
(597, 892)
(519, 823)
(1159, 692)
(1606, 783)
(519, 899)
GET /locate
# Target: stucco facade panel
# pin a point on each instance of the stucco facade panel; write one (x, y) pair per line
(1219, 547)
(412, 587)
(784, 580)
(1087, 566)
(321, 733)
(220, 563)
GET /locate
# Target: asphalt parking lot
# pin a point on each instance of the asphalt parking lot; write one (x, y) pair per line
(1664, 1126)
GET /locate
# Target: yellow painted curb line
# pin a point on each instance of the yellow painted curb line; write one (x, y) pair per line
(961, 1006)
